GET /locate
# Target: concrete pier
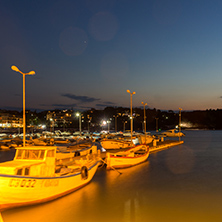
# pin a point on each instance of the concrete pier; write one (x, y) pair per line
(154, 147)
(161, 145)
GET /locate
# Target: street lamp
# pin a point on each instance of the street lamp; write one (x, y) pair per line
(89, 120)
(14, 68)
(80, 127)
(116, 121)
(179, 121)
(108, 122)
(156, 124)
(124, 123)
(144, 104)
(131, 113)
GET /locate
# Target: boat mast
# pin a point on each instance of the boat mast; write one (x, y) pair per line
(144, 104)
(131, 114)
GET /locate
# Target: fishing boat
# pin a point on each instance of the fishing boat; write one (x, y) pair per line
(127, 158)
(115, 143)
(38, 174)
(145, 139)
(119, 142)
(172, 133)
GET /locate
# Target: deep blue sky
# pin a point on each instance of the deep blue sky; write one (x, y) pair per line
(87, 53)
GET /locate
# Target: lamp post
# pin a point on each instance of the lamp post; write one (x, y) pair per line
(144, 104)
(89, 120)
(179, 122)
(156, 124)
(108, 122)
(131, 113)
(124, 128)
(116, 121)
(14, 68)
(80, 127)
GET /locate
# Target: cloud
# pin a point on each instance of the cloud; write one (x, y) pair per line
(64, 105)
(101, 105)
(59, 105)
(109, 103)
(105, 104)
(83, 99)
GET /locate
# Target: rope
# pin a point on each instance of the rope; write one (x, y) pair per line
(112, 167)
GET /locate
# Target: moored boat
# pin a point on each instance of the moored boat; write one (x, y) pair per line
(115, 143)
(38, 174)
(145, 139)
(172, 133)
(130, 157)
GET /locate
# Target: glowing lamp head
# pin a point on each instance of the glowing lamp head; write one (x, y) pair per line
(15, 68)
(31, 73)
(130, 92)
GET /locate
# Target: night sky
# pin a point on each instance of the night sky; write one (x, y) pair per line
(87, 53)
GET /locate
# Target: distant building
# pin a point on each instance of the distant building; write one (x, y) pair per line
(10, 120)
(60, 118)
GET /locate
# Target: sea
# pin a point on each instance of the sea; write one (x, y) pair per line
(179, 184)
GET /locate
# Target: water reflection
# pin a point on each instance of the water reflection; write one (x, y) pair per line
(75, 205)
(179, 184)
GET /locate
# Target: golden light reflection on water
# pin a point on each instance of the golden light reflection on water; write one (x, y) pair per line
(172, 186)
(61, 209)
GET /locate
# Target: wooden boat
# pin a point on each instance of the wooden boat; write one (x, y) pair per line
(122, 159)
(119, 142)
(115, 143)
(172, 133)
(38, 174)
(145, 138)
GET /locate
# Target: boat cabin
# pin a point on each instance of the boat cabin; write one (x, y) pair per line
(37, 161)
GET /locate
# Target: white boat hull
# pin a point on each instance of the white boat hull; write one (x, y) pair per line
(21, 190)
(121, 161)
(115, 144)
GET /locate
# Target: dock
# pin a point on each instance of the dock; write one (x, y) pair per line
(154, 147)
(161, 145)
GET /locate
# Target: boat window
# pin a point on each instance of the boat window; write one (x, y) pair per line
(77, 153)
(42, 154)
(19, 154)
(27, 171)
(26, 154)
(33, 154)
(50, 153)
(19, 171)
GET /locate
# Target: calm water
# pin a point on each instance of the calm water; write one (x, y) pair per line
(180, 184)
